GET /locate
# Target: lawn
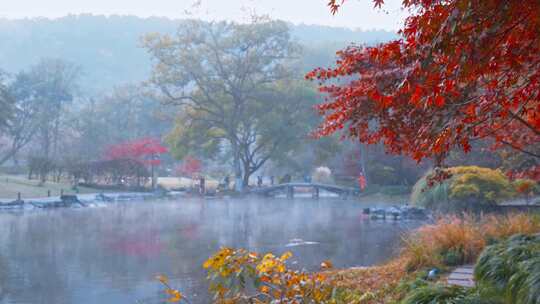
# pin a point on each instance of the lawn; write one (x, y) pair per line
(10, 185)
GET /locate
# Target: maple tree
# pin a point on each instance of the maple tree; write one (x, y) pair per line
(461, 71)
(189, 166)
(142, 150)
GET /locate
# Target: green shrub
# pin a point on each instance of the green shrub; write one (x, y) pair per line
(453, 257)
(512, 268)
(436, 293)
(443, 294)
(383, 175)
(395, 190)
(469, 188)
(481, 184)
(429, 197)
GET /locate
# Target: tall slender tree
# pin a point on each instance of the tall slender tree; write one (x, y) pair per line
(53, 83)
(38, 100)
(6, 104)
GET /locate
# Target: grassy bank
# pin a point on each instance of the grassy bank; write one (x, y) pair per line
(10, 185)
(443, 245)
(447, 243)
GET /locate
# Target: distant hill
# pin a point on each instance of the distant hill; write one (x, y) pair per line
(108, 48)
(316, 34)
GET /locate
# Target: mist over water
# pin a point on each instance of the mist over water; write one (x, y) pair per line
(111, 254)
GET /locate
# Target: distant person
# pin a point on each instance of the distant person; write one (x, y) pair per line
(226, 182)
(287, 178)
(202, 186)
(272, 180)
(259, 181)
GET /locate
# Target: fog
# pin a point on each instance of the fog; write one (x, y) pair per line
(200, 114)
(112, 254)
(360, 14)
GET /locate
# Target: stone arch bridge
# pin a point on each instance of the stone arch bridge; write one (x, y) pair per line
(289, 189)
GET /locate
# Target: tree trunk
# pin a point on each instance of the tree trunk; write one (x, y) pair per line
(46, 142)
(238, 181)
(153, 176)
(245, 179)
(363, 160)
(7, 156)
(56, 135)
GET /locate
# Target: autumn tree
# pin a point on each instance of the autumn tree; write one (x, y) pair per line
(143, 151)
(233, 84)
(461, 71)
(189, 166)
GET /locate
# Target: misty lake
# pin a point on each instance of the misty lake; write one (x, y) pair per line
(111, 254)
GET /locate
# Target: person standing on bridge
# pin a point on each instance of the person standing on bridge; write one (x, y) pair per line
(287, 178)
(259, 181)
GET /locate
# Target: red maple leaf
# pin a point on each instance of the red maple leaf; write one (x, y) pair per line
(462, 70)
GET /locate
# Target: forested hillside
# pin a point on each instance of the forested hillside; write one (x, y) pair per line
(108, 51)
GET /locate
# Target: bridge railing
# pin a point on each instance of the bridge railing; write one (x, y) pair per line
(289, 189)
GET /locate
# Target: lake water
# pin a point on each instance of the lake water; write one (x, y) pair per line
(111, 254)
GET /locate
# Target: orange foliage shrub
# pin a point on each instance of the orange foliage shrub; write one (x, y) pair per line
(425, 245)
(374, 285)
(499, 227)
(465, 236)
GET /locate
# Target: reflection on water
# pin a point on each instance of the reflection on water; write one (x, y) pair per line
(111, 254)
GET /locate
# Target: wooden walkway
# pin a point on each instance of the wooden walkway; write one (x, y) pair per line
(462, 276)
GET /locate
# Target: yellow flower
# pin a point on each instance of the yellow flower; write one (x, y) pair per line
(163, 279)
(176, 295)
(326, 265)
(208, 263)
(226, 272)
(218, 259)
(264, 289)
(268, 256)
(287, 255)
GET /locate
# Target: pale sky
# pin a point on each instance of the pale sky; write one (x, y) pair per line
(357, 13)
